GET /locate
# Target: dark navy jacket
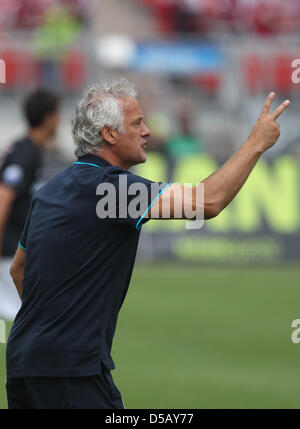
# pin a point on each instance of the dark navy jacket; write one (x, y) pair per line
(77, 272)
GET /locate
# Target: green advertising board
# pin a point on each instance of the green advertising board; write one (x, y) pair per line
(261, 225)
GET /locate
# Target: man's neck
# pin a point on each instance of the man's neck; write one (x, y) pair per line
(111, 158)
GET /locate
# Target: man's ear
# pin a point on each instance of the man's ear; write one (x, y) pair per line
(109, 135)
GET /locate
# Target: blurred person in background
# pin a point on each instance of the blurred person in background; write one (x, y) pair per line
(184, 142)
(19, 172)
(52, 39)
(159, 123)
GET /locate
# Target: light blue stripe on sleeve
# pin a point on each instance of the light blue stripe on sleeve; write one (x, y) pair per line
(138, 224)
(22, 247)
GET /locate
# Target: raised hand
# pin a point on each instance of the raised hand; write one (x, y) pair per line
(266, 131)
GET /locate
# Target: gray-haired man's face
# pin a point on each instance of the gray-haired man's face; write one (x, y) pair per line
(131, 144)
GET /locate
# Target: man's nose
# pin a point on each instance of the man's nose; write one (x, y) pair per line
(145, 131)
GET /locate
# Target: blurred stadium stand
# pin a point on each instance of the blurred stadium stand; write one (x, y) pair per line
(206, 16)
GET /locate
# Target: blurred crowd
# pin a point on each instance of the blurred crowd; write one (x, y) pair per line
(55, 59)
(38, 39)
(248, 16)
(30, 14)
(173, 16)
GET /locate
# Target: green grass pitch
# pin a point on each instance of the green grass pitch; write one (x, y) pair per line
(193, 337)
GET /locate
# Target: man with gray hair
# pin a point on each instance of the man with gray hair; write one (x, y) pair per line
(77, 250)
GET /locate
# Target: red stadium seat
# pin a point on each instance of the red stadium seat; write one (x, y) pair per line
(283, 73)
(252, 73)
(22, 70)
(73, 71)
(29, 70)
(211, 82)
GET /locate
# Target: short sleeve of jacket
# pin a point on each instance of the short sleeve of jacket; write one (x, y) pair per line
(126, 198)
(15, 170)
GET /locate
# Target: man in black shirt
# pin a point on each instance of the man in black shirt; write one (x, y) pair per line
(19, 171)
(76, 253)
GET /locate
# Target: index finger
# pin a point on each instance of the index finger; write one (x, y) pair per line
(277, 112)
(267, 106)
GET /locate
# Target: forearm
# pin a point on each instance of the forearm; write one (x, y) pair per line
(7, 196)
(17, 270)
(221, 187)
(3, 221)
(18, 281)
